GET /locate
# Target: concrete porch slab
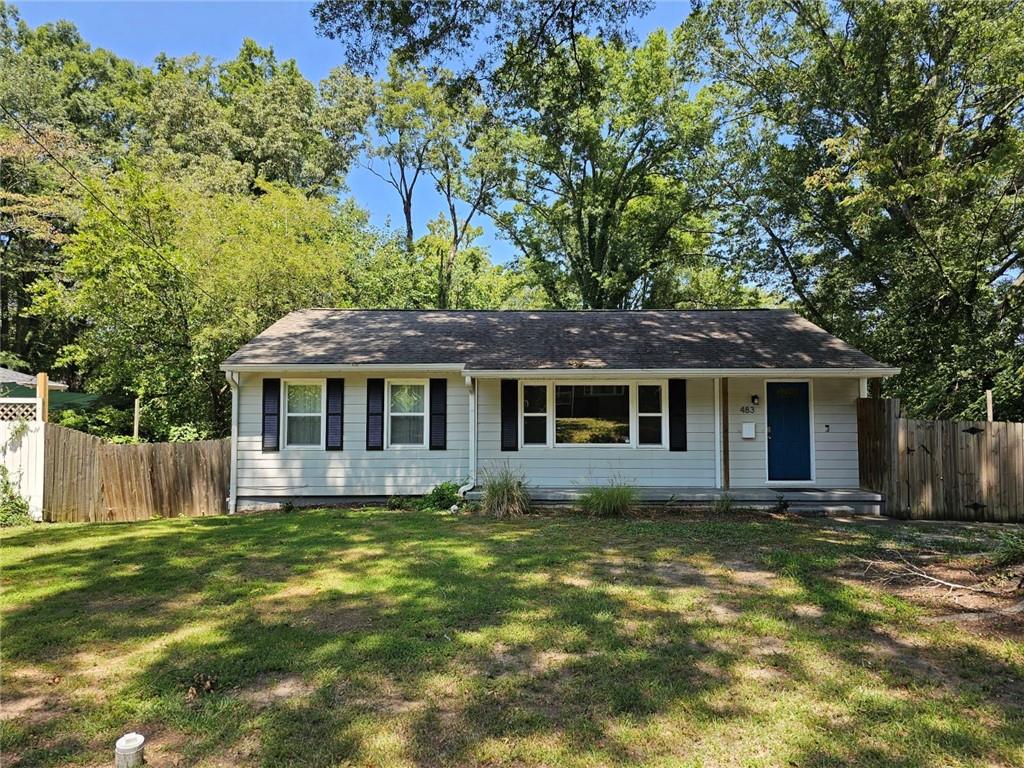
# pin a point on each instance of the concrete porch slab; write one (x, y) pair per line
(798, 499)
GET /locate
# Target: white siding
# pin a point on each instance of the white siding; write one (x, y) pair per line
(357, 472)
(353, 471)
(573, 466)
(23, 457)
(834, 402)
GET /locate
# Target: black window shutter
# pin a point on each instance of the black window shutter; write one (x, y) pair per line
(335, 414)
(271, 414)
(677, 414)
(375, 414)
(438, 414)
(509, 415)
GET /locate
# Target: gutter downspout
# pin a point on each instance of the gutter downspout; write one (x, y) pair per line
(234, 380)
(471, 482)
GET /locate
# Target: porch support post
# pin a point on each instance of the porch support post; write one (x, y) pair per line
(471, 384)
(234, 382)
(725, 432)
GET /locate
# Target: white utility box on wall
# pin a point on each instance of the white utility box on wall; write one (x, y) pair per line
(747, 430)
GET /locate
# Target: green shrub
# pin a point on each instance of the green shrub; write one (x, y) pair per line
(398, 502)
(616, 498)
(504, 493)
(442, 496)
(13, 508)
(1011, 549)
(723, 505)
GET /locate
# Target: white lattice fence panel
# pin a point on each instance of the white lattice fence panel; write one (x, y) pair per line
(18, 408)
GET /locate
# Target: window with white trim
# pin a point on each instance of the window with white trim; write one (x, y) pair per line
(535, 414)
(650, 414)
(303, 414)
(407, 413)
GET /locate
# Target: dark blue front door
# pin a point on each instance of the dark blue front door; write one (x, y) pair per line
(789, 431)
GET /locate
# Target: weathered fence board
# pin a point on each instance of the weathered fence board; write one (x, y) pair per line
(89, 480)
(71, 478)
(948, 470)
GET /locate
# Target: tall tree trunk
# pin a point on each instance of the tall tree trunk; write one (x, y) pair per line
(407, 211)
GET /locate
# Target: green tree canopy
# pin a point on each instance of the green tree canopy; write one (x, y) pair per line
(873, 166)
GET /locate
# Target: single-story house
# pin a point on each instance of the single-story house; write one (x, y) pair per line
(331, 405)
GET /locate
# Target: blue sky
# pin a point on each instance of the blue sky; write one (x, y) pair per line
(141, 30)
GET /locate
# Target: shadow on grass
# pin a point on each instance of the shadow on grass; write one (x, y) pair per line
(399, 637)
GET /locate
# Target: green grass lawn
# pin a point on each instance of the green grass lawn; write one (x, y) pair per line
(369, 637)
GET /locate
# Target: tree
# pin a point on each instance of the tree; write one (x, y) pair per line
(510, 33)
(79, 102)
(251, 118)
(873, 168)
(193, 276)
(604, 140)
(435, 128)
(408, 116)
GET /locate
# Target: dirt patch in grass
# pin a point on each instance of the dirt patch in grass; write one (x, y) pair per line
(989, 601)
(750, 575)
(32, 696)
(267, 690)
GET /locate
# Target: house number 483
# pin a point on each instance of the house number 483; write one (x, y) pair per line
(747, 409)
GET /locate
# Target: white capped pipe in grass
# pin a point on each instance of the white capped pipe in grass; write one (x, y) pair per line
(128, 750)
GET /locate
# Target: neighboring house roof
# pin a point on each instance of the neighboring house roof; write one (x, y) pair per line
(17, 379)
(556, 340)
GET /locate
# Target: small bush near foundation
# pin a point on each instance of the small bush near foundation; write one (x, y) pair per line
(612, 500)
(397, 502)
(442, 496)
(724, 504)
(504, 494)
(13, 508)
(1011, 549)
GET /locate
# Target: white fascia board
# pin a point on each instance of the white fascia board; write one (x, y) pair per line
(606, 373)
(339, 367)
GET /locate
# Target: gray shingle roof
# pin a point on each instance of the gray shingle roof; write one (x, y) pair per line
(17, 379)
(493, 340)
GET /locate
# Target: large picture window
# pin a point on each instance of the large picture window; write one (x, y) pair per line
(592, 414)
(303, 407)
(407, 413)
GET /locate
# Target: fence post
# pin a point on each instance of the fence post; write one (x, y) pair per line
(43, 393)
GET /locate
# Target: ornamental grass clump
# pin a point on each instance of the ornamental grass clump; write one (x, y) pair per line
(504, 494)
(613, 500)
(1010, 550)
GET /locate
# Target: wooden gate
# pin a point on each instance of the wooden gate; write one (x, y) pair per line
(941, 470)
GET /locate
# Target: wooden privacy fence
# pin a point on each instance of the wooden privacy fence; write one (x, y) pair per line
(86, 479)
(941, 470)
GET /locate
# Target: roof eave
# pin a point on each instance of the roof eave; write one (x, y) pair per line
(338, 367)
(524, 373)
(855, 373)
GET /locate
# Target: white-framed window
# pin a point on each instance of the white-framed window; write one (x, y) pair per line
(303, 409)
(592, 414)
(651, 415)
(407, 407)
(534, 411)
(566, 414)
